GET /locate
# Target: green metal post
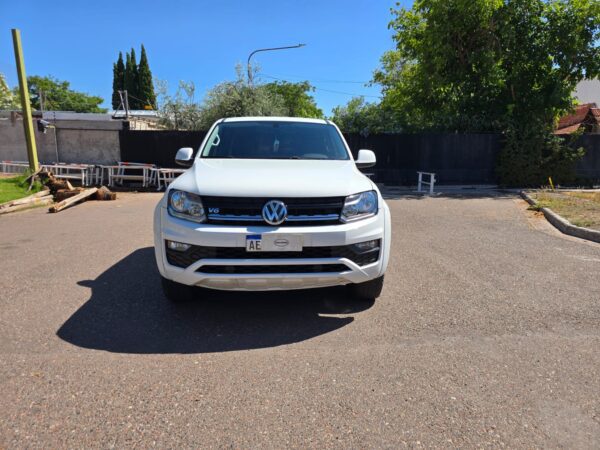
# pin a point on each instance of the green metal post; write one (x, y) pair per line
(25, 105)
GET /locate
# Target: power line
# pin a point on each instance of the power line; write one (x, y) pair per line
(327, 90)
(348, 93)
(318, 81)
(133, 96)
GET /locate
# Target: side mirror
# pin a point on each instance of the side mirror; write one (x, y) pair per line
(366, 158)
(184, 156)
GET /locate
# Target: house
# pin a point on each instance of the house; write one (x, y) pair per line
(586, 116)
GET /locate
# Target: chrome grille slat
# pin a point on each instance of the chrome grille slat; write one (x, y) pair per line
(234, 218)
(304, 218)
(315, 217)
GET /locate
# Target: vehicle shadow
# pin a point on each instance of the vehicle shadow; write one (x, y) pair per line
(127, 313)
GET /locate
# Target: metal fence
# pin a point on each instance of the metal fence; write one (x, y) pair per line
(157, 147)
(455, 158)
(588, 168)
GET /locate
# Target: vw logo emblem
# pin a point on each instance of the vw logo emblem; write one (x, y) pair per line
(274, 212)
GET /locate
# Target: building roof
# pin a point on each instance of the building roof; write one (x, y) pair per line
(568, 130)
(70, 115)
(587, 115)
(147, 113)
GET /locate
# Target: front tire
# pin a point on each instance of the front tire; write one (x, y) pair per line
(176, 292)
(369, 290)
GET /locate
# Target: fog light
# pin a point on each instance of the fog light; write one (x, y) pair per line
(366, 246)
(178, 246)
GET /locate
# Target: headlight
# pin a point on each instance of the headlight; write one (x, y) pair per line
(359, 206)
(186, 206)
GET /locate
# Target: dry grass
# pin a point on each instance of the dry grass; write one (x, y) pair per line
(580, 208)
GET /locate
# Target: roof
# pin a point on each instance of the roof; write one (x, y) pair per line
(568, 130)
(587, 115)
(274, 119)
(577, 117)
(135, 112)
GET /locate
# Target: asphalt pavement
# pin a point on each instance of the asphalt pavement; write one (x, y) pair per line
(487, 335)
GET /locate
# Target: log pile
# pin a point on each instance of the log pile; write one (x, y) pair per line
(60, 194)
(41, 198)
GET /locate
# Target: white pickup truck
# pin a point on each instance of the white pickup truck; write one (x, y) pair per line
(272, 203)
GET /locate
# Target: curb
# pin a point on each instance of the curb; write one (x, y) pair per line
(563, 224)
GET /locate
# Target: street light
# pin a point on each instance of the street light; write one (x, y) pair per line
(267, 50)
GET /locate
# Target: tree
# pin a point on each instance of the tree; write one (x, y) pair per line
(444, 73)
(179, 112)
(136, 79)
(59, 97)
(235, 98)
(118, 81)
(239, 98)
(131, 80)
(7, 99)
(358, 116)
(508, 66)
(145, 88)
(563, 47)
(296, 98)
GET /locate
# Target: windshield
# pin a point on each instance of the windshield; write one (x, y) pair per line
(275, 140)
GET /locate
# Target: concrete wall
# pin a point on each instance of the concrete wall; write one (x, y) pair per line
(12, 140)
(81, 141)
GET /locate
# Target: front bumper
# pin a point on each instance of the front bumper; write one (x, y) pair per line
(170, 228)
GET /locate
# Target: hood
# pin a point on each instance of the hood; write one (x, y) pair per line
(272, 178)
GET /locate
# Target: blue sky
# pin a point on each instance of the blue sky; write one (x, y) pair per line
(201, 41)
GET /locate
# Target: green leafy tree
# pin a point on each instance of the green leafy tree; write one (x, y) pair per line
(359, 116)
(7, 98)
(131, 80)
(296, 98)
(235, 98)
(494, 65)
(179, 111)
(445, 73)
(145, 88)
(548, 47)
(118, 81)
(239, 98)
(58, 96)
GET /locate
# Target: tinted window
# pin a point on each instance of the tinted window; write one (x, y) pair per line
(274, 140)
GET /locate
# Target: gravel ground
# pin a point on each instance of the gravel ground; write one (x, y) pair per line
(487, 335)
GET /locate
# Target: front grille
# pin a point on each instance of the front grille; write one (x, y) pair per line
(248, 210)
(305, 268)
(196, 252)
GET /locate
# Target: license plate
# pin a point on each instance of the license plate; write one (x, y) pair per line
(273, 243)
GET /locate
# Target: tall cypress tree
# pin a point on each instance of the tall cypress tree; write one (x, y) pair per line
(131, 80)
(145, 86)
(118, 81)
(127, 78)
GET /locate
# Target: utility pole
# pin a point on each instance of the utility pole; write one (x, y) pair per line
(25, 105)
(125, 102)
